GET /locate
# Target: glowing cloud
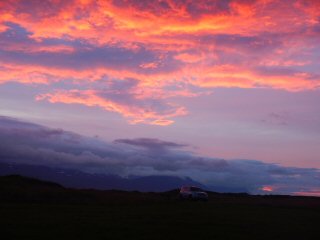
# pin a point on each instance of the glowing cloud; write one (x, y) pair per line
(267, 188)
(136, 110)
(168, 44)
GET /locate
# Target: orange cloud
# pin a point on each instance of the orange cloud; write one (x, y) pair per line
(234, 76)
(136, 113)
(186, 44)
(149, 65)
(267, 189)
(104, 22)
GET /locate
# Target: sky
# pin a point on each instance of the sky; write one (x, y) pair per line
(232, 83)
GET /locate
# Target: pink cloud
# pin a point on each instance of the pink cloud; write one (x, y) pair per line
(178, 45)
(135, 109)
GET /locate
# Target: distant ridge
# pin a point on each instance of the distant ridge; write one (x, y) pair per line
(76, 179)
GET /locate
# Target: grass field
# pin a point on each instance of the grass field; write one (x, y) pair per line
(31, 210)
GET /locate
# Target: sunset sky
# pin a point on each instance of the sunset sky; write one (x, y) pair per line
(211, 82)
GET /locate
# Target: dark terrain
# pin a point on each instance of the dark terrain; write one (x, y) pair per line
(34, 209)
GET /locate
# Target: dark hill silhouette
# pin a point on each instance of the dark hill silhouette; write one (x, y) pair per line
(18, 181)
(77, 179)
(20, 189)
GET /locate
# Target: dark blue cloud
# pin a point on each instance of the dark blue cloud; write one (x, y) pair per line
(29, 143)
(150, 143)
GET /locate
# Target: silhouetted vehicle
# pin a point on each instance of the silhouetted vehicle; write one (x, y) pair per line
(193, 193)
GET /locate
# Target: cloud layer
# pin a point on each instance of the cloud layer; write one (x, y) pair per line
(23, 142)
(166, 49)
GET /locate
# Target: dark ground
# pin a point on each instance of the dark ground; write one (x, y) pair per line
(31, 209)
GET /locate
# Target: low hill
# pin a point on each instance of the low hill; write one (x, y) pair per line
(15, 188)
(17, 181)
(76, 179)
(21, 189)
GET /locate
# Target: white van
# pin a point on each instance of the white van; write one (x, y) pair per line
(195, 193)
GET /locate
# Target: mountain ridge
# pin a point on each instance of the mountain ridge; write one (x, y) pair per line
(76, 179)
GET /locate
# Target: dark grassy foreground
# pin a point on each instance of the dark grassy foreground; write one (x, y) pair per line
(29, 211)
